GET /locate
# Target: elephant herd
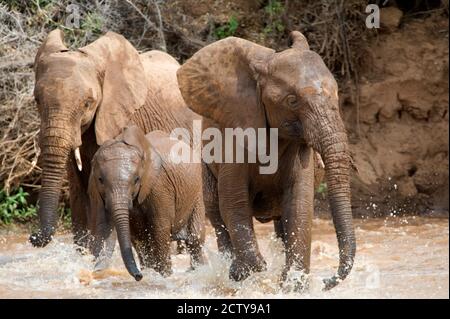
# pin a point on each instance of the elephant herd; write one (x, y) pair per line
(106, 114)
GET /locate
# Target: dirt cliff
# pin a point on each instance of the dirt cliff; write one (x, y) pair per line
(402, 149)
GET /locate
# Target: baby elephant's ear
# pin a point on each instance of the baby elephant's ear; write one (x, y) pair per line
(134, 136)
(298, 41)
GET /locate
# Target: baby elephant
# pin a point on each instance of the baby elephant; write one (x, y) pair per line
(137, 188)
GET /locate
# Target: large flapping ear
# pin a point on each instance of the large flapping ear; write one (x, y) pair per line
(298, 41)
(53, 43)
(220, 82)
(124, 83)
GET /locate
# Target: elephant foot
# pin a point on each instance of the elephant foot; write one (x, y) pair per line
(197, 260)
(181, 247)
(82, 250)
(331, 282)
(81, 239)
(295, 281)
(38, 239)
(225, 252)
(102, 264)
(240, 270)
(163, 270)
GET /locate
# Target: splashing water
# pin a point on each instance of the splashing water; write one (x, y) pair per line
(396, 258)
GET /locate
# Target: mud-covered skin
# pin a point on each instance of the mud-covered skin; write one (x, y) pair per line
(237, 83)
(85, 97)
(135, 188)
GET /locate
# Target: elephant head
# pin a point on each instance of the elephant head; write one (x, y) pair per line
(123, 169)
(101, 84)
(238, 83)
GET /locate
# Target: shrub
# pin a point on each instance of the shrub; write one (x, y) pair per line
(14, 207)
(228, 29)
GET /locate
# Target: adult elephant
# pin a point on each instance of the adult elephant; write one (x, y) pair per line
(236, 83)
(84, 98)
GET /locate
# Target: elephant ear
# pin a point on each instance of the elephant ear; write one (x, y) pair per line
(99, 223)
(52, 44)
(134, 136)
(124, 83)
(298, 41)
(220, 82)
(96, 206)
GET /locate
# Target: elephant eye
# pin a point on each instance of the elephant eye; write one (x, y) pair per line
(137, 179)
(100, 180)
(88, 103)
(292, 101)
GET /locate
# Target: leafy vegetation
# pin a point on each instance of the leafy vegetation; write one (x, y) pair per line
(227, 30)
(274, 9)
(322, 190)
(65, 215)
(14, 207)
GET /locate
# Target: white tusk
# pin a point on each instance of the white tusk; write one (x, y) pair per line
(319, 161)
(78, 159)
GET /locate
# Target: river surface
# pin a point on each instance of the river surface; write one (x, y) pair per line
(396, 258)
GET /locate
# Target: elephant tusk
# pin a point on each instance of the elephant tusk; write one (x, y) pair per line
(78, 159)
(319, 161)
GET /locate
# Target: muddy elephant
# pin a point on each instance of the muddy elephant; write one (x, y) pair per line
(85, 96)
(136, 188)
(236, 83)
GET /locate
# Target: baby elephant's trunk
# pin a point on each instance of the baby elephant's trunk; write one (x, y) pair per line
(120, 214)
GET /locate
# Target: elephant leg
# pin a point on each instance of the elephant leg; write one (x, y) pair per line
(160, 260)
(211, 201)
(103, 258)
(181, 247)
(141, 238)
(144, 252)
(159, 232)
(297, 219)
(279, 231)
(196, 234)
(79, 205)
(236, 212)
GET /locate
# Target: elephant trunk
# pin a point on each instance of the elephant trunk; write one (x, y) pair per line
(55, 153)
(120, 214)
(334, 150)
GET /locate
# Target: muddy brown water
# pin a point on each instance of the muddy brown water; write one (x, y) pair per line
(396, 258)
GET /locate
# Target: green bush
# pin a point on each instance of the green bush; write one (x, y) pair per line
(322, 190)
(274, 9)
(14, 207)
(228, 29)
